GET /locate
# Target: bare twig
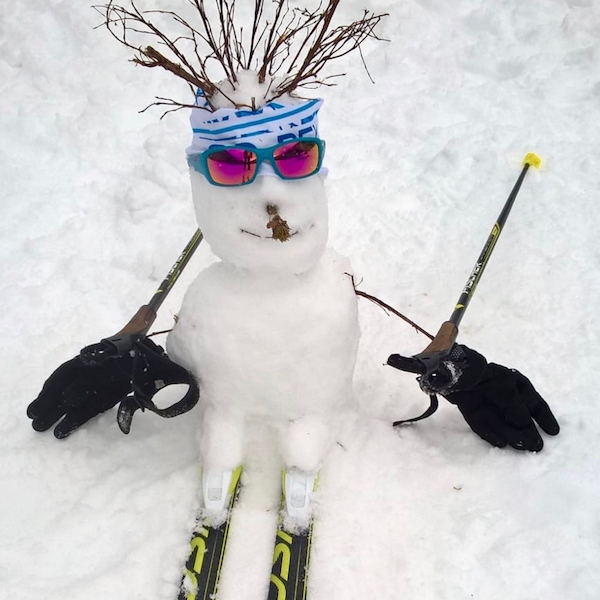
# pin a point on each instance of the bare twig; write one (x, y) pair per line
(288, 47)
(387, 307)
(159, 332)
(169, 102)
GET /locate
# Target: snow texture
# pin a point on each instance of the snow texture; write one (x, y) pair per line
(96, 205)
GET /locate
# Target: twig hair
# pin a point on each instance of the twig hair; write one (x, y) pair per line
(286, 47)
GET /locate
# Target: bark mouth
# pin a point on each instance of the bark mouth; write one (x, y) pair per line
(279, 227)
(264, 237)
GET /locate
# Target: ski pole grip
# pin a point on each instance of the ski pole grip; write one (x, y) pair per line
(140, 322)
(444, 339)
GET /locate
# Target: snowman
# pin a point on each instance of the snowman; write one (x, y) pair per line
(270, 330)
(269, 333)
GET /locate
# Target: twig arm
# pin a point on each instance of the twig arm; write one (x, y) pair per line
(385, 306)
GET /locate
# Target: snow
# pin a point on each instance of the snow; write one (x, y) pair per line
(97, 206)
(247, 91)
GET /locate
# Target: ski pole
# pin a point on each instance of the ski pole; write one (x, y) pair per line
(443, 341)
(141, 322)
(138, 326)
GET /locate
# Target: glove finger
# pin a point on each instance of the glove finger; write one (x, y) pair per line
(69, 386)
(493, 430)
(545, 418)
(50, 398)
(46, 421)
(515, 423)
(78, 416)
(88, 397)
(527, 438)
(514, 412)
(484, 425)
(538, 407)
(57, 405)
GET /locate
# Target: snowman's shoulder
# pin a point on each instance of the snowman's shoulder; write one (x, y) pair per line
(336, 262)
(209, 286)
(216, 274)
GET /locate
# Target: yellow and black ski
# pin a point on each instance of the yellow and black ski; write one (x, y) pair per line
(207, 549)
(290, 565)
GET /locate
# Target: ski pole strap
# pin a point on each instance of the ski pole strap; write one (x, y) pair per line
(426, 365)
(151, 371)
(433, 406)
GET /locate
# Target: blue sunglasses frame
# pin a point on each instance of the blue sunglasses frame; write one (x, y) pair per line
(199, 162)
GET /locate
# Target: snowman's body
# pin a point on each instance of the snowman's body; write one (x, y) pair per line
(277, 349)
(271, 331)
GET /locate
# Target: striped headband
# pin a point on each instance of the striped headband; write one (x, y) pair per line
(275, 122)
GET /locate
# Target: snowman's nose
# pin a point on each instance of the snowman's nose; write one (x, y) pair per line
(280, 228)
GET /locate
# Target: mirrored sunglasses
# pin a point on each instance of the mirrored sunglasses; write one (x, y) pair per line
(239, 164)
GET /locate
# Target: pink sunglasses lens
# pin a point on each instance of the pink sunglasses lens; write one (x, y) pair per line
(235, 166)
(297, 159)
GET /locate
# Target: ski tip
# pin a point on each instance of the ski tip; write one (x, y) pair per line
(532, 159)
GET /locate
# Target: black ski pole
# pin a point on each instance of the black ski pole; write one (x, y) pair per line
(140, 323)
(175, 272)
(469, 289)
(429, 360)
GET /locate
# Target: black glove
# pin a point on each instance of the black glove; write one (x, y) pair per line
(499, 404)
(128, 370)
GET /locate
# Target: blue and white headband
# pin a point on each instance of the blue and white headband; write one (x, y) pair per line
(275, 122)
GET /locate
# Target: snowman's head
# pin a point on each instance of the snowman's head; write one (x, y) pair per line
(258, 185)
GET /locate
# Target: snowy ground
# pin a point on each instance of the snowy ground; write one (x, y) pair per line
(96, 206)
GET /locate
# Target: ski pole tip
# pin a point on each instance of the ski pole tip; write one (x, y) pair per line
(532, 159)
